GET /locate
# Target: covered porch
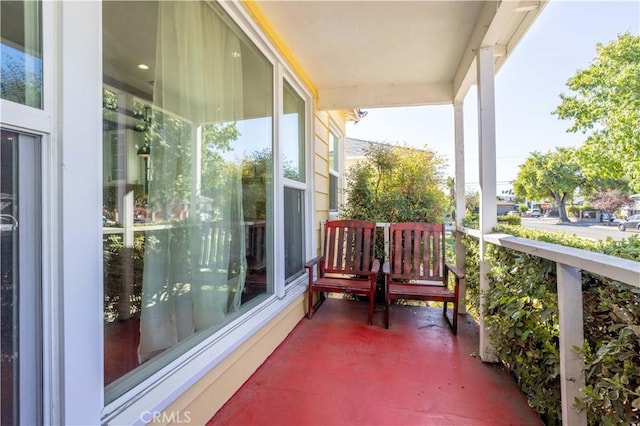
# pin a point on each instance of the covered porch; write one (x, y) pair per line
(335, 369)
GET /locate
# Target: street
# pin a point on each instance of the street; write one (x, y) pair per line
(594, 231)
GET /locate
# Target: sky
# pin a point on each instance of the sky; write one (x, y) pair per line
(527, 90)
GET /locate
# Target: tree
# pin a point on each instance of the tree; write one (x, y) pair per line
(605, 105)
(396, 184)
(555, 175)
(610, 201)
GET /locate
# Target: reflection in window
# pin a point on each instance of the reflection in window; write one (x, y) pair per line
(334, 159)
(293, 135)
(293, 233)
(21, 52)
(187, 147)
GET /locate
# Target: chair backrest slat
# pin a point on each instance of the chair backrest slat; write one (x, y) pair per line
(416, 251)
(349, 246)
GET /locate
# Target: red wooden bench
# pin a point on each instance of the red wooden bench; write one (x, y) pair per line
(416, 269)
(348, 263)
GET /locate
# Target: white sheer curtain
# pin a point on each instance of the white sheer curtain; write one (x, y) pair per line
(193, 272)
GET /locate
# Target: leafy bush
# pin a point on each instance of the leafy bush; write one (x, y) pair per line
(522, 319)
(472, 275)
(509, 220)
(523, 327)
(573, 211)
(395, 184)
(115, 258)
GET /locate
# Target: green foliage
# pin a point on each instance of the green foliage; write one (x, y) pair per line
(522, 320)
(472, 214)
(509, 220)
(116, 258)
(555, 175)
(472, 275)
(396, 184)
(20, 83)
(612, 353)
(604, 104)
(523, 326)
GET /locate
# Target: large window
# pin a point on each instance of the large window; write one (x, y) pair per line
(293, 144)
(188, 176)
(21, 52)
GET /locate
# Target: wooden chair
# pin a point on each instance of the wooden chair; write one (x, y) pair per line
(416, 269)
(348, 264)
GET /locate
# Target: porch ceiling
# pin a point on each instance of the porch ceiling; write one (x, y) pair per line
(391, 53)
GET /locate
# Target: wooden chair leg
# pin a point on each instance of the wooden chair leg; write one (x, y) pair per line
(371, 301)
(455, 317)
(386, 313)
(310, 297)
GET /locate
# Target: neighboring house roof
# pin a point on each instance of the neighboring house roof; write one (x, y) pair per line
(355, 148)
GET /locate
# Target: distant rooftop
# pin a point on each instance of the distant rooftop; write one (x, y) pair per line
(356, 147)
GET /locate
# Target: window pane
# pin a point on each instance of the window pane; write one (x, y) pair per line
(293, 135)
(187, 217)
(334, 159)
(333, 192)
(333, 152)
(21, 52)
(293, 233)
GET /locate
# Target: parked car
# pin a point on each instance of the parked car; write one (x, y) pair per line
(534, 213)
(513, 213)
(8, 223)
(632, 222)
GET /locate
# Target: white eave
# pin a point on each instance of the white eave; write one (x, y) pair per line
(391, 53)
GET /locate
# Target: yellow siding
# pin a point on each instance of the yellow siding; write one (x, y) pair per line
(323, 116)
(321, 129)
(210, 393)
(322, 185)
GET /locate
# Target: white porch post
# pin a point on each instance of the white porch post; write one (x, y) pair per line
(487, 159)
(80, 295)
(458, 119)
(571, 335)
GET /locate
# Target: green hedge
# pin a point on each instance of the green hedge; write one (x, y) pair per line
(509, 220)
(522, 317)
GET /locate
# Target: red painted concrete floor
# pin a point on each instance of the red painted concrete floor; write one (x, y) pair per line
(336, 370)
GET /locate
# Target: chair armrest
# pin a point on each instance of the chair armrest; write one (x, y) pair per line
(386, 268)
(375, 268)
(457, 272)
(313, 261)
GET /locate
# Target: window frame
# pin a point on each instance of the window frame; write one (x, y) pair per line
(304, 185)
(39, 123)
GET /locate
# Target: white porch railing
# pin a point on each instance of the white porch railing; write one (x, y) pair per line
(570, 263)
